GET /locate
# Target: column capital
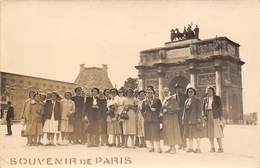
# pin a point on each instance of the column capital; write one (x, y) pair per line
(193, 70)
(161, 72)
(218, 67)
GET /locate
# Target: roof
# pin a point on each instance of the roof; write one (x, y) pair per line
(91, 77)
(188, 44)
(32, 77)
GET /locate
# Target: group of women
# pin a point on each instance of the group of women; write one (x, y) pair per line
(123, 118)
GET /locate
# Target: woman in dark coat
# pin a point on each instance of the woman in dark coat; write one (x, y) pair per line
(171, 127)
(192, 119)
(151, 109)
(52, 117)
(212, 112)
(93, 112)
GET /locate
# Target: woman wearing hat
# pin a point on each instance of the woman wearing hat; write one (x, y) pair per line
(120, 103)
(25, 116)
(52, 116)
(67, 111)
(129, 125)
(192, 119)
(151, 108)
(140, 119)
(34, 122)
(113, 127)
(212, 112)
(171, 127)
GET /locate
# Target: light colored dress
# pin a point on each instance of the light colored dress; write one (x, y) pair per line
(34, 123)
(113, 127)
(214, 129)
(139, 119)
(171, 128)
(129, 126)
(67, 109)
(51, 126)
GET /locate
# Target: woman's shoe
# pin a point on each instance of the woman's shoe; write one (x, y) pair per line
(212, 150)
(159, 151)
(151, 150)
(173, 151)
(189, 150)
(197, 151)
(168, 151)
(220, 150)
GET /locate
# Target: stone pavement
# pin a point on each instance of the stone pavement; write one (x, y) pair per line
(240, 145)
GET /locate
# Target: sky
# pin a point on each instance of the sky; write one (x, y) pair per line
(50, 39)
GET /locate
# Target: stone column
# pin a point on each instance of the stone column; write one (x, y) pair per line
(193, 76)
(218, 71)
(141, 84)
(161, 76)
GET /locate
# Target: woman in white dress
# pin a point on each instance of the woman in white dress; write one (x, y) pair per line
(140, 119)
(120, 101)
(129, 125)
(52, 116)
(67, 110)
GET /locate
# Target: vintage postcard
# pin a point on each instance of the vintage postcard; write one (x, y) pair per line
(88, 83)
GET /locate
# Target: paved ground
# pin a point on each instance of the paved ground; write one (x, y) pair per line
(240, 145)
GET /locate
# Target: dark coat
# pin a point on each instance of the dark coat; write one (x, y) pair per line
(93, 114)
(193, 113)
(10, 113)
(149, 115)
(79, 107)
(103, 109)
(181, 99)
(216, 107)
(48, 106)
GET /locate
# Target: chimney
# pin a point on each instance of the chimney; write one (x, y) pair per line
(104, 66)
(82, 66)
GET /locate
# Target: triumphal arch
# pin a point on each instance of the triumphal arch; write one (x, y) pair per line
(214, 61)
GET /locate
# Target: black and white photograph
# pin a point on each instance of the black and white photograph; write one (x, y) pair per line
(150, 83)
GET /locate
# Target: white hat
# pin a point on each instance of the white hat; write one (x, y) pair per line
(190, 86)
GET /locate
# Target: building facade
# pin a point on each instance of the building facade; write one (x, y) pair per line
(16, 87)
(213, 61)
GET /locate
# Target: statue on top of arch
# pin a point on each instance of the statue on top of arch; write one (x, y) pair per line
(188, 33)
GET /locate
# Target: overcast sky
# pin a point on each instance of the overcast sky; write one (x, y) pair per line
(50, 39)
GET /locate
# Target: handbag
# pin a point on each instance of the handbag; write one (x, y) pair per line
(23, 131)
(124, 115)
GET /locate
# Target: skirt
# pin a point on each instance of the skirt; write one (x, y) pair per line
(79, 128)
(152, 131)
(129, 126)
(103, 127)
(139, 125)
(33, 128)
(51, 126)
(214, 129)
(66, 126)
(93, 127)
(171, 130)
(113, 128)
(193, 131)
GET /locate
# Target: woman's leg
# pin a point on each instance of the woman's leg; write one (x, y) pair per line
(114, 140)
(198, 145)
(190, 148)
(132, 137)
(57, 138)
(118, 140)
(151, 146)
(158, 146)
(126, 140)
(29, 140)
(211, 140)
(220, 147)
